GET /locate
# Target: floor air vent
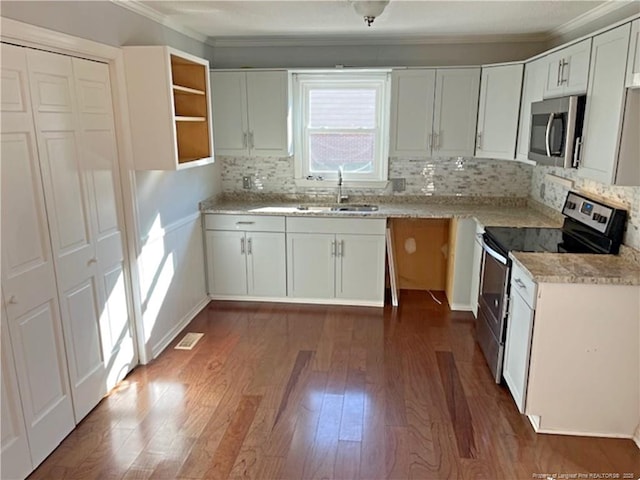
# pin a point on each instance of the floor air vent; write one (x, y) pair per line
(189, 341)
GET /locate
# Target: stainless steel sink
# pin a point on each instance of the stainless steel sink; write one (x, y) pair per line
(339, 207)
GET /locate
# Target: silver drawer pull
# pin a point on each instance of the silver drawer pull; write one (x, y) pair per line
(519, 283)
(245, 223)
(242, 246)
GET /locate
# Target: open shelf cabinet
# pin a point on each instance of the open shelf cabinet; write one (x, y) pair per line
(169, 108)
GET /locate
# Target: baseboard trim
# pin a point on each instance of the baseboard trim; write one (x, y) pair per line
(158, 348)
(312, 301)
(460, 307)
(535, 421)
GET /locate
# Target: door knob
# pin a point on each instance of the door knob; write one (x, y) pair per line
(92, 261)
(12, 300)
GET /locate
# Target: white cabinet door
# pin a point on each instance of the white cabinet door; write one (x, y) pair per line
(15, 458)
(266, 264)
(455, 114)
(267, 103)
(226, 262)
(360, 267)
(532, 91)
(633, 59)
(78, 157)
(605, 105)
(518, 348)
(28, 277)
(412, 112)
(567, 70)
(311, 265)
(229, 113)
(498, 113)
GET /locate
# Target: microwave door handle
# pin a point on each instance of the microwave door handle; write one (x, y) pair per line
(547, 136)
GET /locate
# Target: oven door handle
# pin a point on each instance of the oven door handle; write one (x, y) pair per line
(494, 254)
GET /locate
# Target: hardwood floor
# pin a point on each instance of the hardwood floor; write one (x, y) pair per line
(278, 391)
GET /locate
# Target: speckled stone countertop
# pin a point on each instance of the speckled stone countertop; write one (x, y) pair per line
(579, 268)
(623, 269)
(513, 212)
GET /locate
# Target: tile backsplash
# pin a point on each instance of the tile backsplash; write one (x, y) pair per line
(551, 193)
(428, 177)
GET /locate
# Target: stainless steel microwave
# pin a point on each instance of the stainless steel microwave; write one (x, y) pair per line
(556, 131)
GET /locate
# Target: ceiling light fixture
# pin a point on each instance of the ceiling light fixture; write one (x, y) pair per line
(369, 9)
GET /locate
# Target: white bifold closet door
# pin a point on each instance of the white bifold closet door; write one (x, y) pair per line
(28, 281)
(62, 232)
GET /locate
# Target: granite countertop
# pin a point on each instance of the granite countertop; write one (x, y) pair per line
(623, 269)
(620, 269)
(488, 212)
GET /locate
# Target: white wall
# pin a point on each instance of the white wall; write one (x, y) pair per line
(170, 257)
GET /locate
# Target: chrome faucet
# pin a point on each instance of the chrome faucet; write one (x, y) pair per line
(339, 197)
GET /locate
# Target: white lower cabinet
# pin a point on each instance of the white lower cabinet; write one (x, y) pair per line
(337, 260)
(571, 356)
(246, 262)
(519, 331)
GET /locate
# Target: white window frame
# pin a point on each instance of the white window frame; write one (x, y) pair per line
(302, 82)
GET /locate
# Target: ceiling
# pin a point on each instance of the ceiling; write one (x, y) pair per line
(402, 19)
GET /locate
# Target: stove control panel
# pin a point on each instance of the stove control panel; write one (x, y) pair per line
(589, 212)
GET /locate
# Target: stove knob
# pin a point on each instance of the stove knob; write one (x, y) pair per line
(602, 219)
(571, 205)
(596, 217)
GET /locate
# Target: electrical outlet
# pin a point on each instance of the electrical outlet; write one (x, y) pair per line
(398, 184)
(246, 182)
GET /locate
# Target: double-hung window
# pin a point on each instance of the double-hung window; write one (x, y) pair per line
(341, 121)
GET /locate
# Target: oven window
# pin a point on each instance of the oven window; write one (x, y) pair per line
(492, 292)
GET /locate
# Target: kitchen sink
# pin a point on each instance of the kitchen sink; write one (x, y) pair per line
(339, 207)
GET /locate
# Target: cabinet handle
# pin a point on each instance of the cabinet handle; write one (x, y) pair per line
(251, 140)
(333, 248)
(245, 223)
(438, 141)
(519, 283)
(242, 245)
(558, 80)
(562, 79)
(244, 139)
(430, 142)
(12, 300)
(577, 153)
(479, 141)
(340, 248)
(92, 261)
(249, 248)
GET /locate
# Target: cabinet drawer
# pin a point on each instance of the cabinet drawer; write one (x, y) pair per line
(522, 283)
(363, 226)
(248, 223)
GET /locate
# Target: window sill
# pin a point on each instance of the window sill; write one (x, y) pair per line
(375, 184)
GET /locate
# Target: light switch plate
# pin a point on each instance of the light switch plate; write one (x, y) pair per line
(246, 182)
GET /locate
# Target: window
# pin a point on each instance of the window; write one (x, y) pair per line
(341, 120)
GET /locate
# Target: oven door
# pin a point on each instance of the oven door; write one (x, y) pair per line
(493, 287)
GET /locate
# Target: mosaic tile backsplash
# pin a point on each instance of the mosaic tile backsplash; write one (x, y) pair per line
(553, 194)
(468, 177)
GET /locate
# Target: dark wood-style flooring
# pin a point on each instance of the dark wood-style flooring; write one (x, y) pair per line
(278, 391)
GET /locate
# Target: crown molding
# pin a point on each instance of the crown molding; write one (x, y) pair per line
(371, 41)
(589, 17)
(166, 20)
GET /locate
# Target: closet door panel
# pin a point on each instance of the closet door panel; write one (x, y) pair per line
(28, 281)
(71, 220)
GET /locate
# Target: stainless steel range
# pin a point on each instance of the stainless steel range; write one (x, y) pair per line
(590, 226)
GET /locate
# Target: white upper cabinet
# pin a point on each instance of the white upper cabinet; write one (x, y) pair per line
(535, 76)
(568, 70)
(433, 112)
(455, 114)
(251, 113)
(633, 60)
(605, 106)
(498, 112)
(168, 94)
(412, 103)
